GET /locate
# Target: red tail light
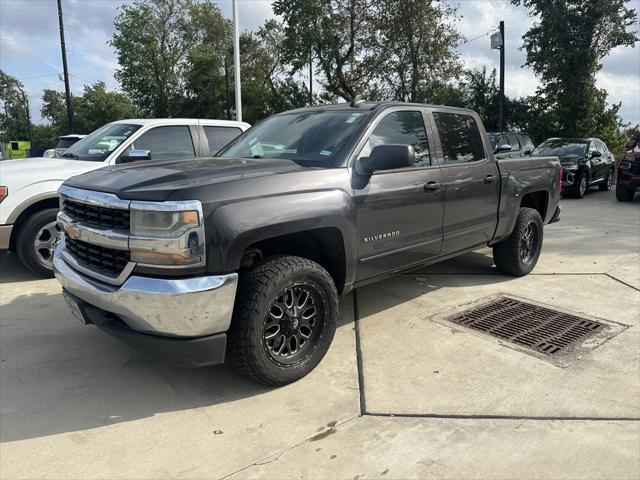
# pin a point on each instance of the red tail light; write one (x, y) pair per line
(560, 181)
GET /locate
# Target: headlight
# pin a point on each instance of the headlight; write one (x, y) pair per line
(148, 223)
(168, 234)
(4, 191)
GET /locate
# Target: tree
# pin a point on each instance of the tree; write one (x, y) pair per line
(14, 109)
(565, 48)
(420, 52)
(152, 40)
(339, 35)
(267, 87)
(208, 63)
(95, 107)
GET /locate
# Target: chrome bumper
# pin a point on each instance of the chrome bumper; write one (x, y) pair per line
(5, 236)
(185, 307)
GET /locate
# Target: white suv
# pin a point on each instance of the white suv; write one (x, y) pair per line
(28, 188)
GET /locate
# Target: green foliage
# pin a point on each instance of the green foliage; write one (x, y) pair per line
(420, 52)
(152, 41)
(14, 109)
(45, 136)
(93, 109)
(565, 48)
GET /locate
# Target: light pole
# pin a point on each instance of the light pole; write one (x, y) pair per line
(236, 60)
(65, 71)
(501, 98)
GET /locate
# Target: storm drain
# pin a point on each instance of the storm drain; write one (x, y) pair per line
(542, 329)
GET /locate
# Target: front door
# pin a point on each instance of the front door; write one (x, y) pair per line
(399, 211)
(471, 183)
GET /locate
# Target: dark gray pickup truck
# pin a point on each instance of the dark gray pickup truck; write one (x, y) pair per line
(242, 257)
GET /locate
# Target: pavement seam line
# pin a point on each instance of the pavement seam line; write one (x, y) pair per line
(359, 362)
(501, 417)
(622, 282)
(276, 455)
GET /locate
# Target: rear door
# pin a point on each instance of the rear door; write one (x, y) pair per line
(471, 181)
(399, 212)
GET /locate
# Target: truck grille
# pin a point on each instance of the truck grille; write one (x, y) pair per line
(95, 216)
(107, 261)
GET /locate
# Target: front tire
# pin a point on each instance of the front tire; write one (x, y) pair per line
(518, 254)
(35, 241)
(624, 194)
(608, 182)
(283, 321)
(582, 186)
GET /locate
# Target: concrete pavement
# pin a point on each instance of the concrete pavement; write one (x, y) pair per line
(405, 395)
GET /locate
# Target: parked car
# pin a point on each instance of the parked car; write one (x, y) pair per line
(628, 181)
(64, 142)
(243, 257)
(29, 205)
(586, 162)
(510, 144)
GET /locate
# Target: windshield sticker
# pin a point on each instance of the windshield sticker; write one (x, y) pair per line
(353, 117)
(325, 152)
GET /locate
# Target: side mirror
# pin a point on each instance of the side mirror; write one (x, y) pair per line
(135, 156)
(596, 154)
(386, 157)
(503, 148)
(528, 152)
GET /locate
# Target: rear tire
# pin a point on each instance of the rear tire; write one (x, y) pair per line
(35, 241)
(608, 182)
(283, 321)
(518, 254)
(624, 194)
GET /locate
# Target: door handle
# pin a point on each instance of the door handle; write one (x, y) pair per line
(489, 178)
(431, 186)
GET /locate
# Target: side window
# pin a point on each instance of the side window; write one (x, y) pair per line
(167, 143)
(601, 147)
(513, 141)
(218, 137)
(460, 138)
(401, 128)
(526, 141)
(592, 146)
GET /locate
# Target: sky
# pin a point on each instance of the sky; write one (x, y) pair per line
(30, 46)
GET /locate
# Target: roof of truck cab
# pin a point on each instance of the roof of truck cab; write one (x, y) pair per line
(183, 121)
(369, 106)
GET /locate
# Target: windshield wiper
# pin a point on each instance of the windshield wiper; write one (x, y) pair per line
(70, 155)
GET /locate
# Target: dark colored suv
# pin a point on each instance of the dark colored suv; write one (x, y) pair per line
(629, 173)
(508, 144)
(586, 162)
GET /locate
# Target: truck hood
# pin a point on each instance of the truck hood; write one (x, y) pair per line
(156, 181)
(17, 174)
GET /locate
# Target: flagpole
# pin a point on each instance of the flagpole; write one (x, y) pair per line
(236, 60)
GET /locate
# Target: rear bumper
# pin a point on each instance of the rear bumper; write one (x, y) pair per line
(184, 352)
(629, 180)
(5, 236)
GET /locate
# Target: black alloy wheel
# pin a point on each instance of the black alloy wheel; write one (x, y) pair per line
(293, 323)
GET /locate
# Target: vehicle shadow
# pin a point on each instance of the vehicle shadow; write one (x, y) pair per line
(12, 271)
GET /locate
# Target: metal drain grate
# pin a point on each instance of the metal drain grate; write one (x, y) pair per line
(541, 329)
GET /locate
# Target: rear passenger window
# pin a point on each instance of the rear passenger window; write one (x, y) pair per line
(460, 138)
(513, 141)
(166, 143)
(401, 128)
(218, 137)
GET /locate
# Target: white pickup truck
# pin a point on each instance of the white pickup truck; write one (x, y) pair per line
(28, 188)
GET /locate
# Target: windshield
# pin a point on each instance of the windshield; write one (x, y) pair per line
(311, 138)
(99, 144)
(561, 148)
(493, 139)
(66, 142)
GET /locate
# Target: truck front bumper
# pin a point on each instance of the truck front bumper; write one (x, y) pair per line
(170, 317)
